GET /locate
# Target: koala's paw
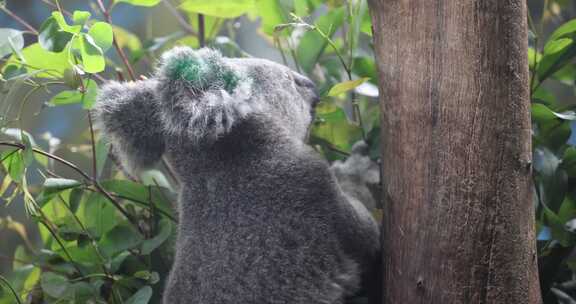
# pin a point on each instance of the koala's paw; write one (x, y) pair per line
(359, 176)
(205, 95)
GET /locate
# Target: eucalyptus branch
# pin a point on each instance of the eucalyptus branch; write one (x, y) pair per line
(106, 13)
(87, 177)
(19, 20)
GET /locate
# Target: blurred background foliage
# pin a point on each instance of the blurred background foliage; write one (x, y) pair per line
(75, 228)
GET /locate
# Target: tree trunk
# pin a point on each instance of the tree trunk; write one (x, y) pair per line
(459, 219)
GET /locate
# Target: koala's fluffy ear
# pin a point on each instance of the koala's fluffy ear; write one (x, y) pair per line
(127, 114)
(202, 94)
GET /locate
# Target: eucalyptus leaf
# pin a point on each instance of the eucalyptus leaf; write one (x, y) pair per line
(142, 296)
(92, 56)
(165, 229)
(10, 40)
(81, 17)
(102, 34)
(53, 284)
(346, 86)
(75, 96)
(55, 185)
(51, 36)
(13, 162)
(220, 8)
(566, 29)
(147, 3)
(43, 63)
(120, 238)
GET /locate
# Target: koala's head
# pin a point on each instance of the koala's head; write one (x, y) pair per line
(204, 94)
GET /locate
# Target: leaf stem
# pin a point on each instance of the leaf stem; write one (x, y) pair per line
(201, 31)
(3, 280)
(93, 144)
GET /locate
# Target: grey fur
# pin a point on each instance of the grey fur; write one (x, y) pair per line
(126, 113)
(359, 176)
(262, 218)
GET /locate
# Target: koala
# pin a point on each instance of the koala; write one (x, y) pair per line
(359, 177)
(262, 218)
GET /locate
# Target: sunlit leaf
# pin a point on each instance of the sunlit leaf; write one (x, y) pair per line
(102, 34)
(51, 37)
(566, 29)
(346, 86)
(46, 64)
(556, 54)
(140, 2)
(220, 8)
(333, 127)
(271, 13)
(92, 56)
(81, 17)
(61, 20)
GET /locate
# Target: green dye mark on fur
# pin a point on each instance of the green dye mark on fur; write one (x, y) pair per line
(203, 73)
(189, 69)
(230, 81)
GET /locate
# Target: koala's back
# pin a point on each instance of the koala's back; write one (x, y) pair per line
(262, 221)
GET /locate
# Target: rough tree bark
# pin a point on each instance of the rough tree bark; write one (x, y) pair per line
(459, 220)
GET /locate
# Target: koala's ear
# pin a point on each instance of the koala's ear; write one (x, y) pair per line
(204, 93)
(126, 113)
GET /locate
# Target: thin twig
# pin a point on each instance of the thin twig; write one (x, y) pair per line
(52, 5)
(201, 31)
(183, 23)
(89, 235)
(106, 13)
(19, 20)
(55, 236)
(93, 143)
(3, 280)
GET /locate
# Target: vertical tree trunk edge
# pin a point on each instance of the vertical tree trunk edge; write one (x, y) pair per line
(458, 223)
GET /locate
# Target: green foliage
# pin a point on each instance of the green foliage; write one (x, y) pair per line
(107, 237)
(551, 64)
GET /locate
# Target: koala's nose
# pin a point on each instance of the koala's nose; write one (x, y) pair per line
(308, 86)
(303, 81)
